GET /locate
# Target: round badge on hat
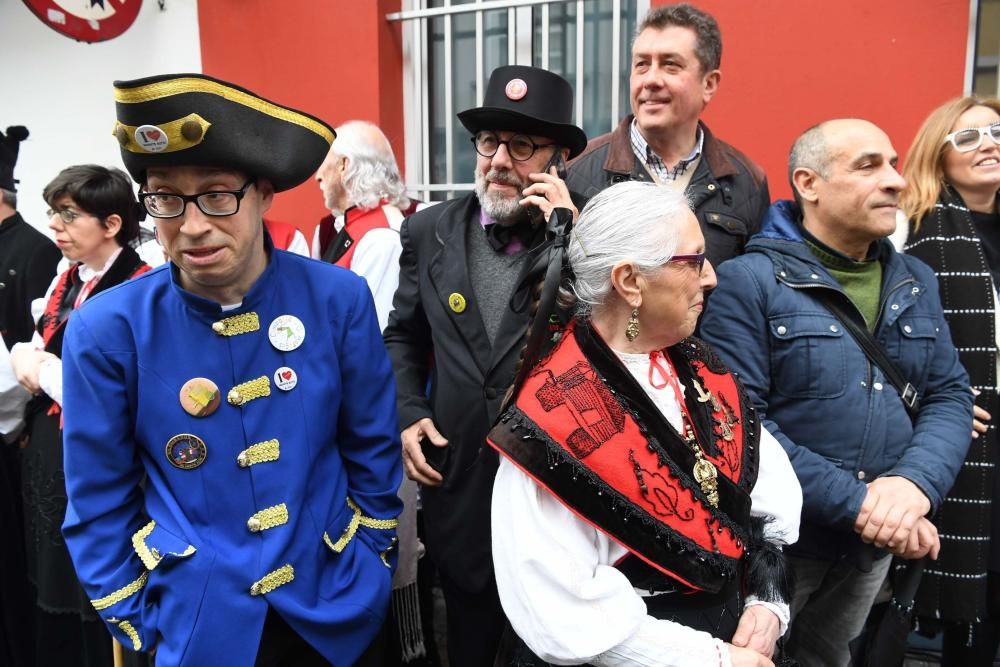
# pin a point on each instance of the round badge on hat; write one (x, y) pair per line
(200, 397)
(285, 378)
(186, 451)
(457, 302)
(286, 332)
(516, 89)
(151, 138)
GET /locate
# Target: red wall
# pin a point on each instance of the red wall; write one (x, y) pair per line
(788, 64)
(338, 60)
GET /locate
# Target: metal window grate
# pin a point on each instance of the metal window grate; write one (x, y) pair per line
(451, 46)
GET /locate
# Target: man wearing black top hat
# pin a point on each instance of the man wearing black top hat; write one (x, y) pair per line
(459, 319)
(28, 261)
(231, 442)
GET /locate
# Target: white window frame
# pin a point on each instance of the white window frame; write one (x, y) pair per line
(416, 121)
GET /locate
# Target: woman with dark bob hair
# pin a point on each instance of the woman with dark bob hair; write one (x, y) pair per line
(93, 216)
(951, 201)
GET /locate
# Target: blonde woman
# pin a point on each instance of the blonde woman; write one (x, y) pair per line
(953, 176)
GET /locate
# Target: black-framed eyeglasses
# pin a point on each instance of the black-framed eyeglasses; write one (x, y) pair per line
(67, 215)
(697, 261)
(971, 138)
(215, 203)
(519, 146)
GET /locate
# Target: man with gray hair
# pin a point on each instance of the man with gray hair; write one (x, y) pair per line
(876, 434)
(367, 200)
(676, 55)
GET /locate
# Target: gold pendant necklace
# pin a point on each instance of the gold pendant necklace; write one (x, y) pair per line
(705, 472)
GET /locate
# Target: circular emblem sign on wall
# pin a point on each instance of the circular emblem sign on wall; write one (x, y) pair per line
(86, 20)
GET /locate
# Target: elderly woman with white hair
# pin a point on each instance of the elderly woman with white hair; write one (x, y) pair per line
(639, 509)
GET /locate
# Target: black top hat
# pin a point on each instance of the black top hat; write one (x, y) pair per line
(195, 120)
(530, 100)
(9, 144)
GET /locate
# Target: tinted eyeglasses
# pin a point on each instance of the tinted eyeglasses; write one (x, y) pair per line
(519, 146)
(216, 203)
(971, 138)
(697, 261)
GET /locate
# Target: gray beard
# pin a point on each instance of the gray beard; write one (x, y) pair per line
(500, 208)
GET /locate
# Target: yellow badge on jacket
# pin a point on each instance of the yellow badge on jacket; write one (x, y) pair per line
(457, 302)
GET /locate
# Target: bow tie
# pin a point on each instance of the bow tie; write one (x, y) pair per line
(511, 239)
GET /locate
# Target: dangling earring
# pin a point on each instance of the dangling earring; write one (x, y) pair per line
(632, 328)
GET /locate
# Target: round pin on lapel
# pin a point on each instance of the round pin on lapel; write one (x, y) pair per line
(200, 397)
(186, 451)
(457, 302)
(286, 332)
(285, 378)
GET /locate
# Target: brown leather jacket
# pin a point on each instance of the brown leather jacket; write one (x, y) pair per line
(728, 191)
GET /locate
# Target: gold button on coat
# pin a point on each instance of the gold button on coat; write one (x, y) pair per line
(253, 523)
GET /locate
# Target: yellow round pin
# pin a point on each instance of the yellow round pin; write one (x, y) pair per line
(457, 302)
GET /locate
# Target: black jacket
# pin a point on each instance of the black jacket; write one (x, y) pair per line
(28, 261)
(427, 338)
(727, 190)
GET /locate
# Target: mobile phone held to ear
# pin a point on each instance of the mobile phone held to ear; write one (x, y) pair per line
(437, 457)
(558, 162)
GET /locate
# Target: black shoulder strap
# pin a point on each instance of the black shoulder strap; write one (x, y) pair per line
(872, 350)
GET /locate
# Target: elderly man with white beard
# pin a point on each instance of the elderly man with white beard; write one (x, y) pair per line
(459, 317)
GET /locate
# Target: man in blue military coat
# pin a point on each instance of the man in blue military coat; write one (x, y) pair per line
(232, 452)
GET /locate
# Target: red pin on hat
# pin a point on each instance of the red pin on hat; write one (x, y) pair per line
(516, 89)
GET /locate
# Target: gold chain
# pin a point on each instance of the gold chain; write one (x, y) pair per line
(705, 472)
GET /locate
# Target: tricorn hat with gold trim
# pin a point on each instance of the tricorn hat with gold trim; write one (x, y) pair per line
(195, 120)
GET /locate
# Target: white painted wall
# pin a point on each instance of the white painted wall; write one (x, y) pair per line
(61, 90)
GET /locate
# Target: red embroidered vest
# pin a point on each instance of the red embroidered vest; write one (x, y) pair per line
(52, 323)
(585, 430)
(357, 223)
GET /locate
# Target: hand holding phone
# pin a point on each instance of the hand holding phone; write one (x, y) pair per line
(548, 190)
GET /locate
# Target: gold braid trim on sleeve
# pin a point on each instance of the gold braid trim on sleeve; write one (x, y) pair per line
(139, 544)
(152, 557)
(358, 519)
(121, 594)
(385, 554)
(127, 628)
